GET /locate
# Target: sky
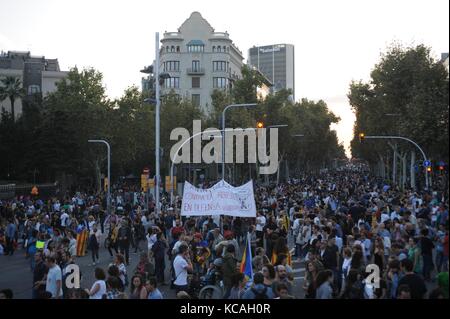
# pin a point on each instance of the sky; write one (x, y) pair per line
(335, 41)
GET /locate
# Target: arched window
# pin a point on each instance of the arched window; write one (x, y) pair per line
(178, 48)
(172, 49)
(214, 48)
(167, 49)
(224, 49)
(219, 49)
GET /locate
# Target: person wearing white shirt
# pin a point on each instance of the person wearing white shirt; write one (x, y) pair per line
(182, 265)
(54, 278)
(64, 218)
(384, 216)
(260, 223)
(98, 289)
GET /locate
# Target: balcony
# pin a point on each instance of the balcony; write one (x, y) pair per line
(172, 36)
(195, 71)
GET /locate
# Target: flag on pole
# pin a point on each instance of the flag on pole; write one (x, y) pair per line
(246, 263)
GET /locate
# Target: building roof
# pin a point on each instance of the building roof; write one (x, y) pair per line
(195, 42)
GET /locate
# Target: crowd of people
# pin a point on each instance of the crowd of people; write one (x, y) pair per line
(356, 236)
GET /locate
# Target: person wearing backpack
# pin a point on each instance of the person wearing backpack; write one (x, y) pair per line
(258, 290)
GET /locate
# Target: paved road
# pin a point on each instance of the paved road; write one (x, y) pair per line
(15, 273)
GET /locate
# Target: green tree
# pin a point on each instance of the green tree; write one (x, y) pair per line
(11, 88)
(412, 87)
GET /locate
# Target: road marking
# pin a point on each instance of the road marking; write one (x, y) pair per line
(298, 270)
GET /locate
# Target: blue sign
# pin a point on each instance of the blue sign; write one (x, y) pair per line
(427, 163)
(441, 163)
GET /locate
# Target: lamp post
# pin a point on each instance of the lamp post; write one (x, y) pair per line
(223, 131)
(108, 196)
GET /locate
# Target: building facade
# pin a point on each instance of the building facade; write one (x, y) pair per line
(277, 63)
(37, 74)
(199, 60)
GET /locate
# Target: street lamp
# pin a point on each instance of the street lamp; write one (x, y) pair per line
(179, 148)
(223, 131)
(108, 196)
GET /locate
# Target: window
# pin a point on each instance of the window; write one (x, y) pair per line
(195, 82)
(196, 65)
(220, 66)
(172, 83)
(196, 99)
(167, 49)
(196, 48)
(171, 66)
(220, 83)
(224, 49)
(214, 48)
(219, 49)
(178, 48)
(32, 89)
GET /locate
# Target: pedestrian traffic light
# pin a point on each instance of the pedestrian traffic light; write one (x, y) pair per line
(259, 124)
(361, 137)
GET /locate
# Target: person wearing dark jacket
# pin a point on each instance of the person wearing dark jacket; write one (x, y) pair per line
(158, 250)
(124, 237)
(229, 269)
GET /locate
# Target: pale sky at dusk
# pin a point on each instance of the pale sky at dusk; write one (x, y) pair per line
(335, 41)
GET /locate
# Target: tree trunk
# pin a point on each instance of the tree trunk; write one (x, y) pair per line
(13, 111)
(404, 170)
(287, 169)
(412, 170)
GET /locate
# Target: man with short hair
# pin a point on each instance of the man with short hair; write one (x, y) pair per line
(415, 283)
(258, 290)
(281, 279)
(54, 278)
(182, 265)
(153, 291)
(11, 232)
(39, 272)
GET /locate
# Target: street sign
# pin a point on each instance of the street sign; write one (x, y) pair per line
(169, 185)
(427, 163)
(151, 183)
(144, 182)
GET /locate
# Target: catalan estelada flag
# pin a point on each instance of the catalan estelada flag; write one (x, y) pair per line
(246, 263)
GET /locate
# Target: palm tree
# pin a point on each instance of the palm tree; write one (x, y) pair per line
(11, 88)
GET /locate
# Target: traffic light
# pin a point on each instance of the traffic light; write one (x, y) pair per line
(259, 124)
(441, 167)
(361, 137)
(428, 169)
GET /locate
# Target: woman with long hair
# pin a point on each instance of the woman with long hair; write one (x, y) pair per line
(268, 272)
(312, 269)
(323, 285)
(415, 255)
(353, 288)
(137, 288)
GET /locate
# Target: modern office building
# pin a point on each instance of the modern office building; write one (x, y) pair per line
(37, 74)
(199, 60)
(277, 63)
